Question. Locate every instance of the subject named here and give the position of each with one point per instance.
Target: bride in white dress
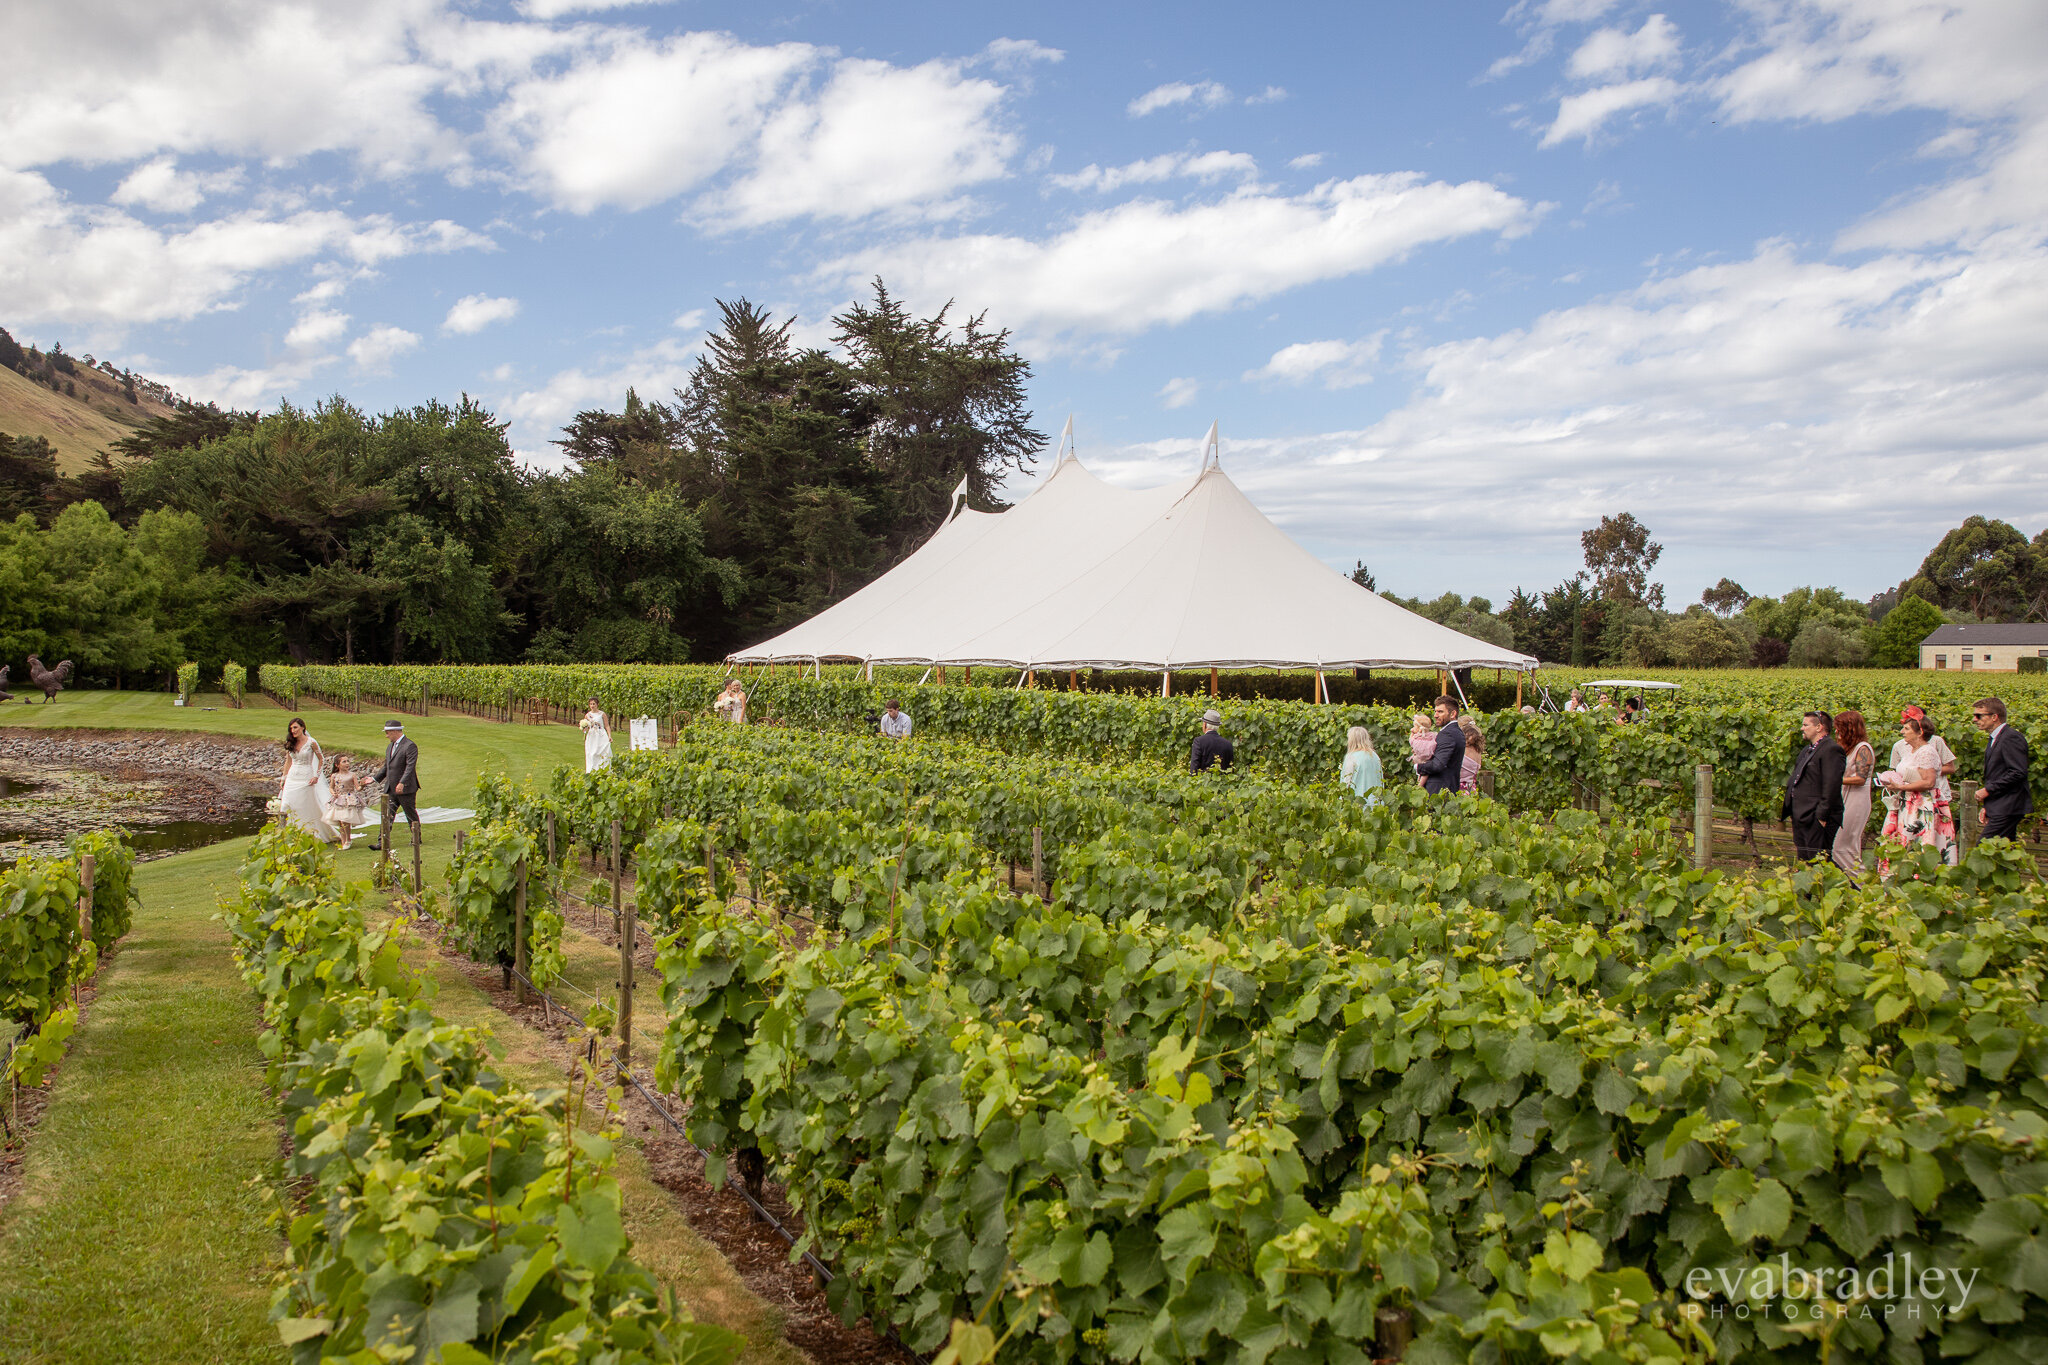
(299, 787)
(597, 739)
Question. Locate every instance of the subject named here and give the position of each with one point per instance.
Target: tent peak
(1068, 449)
(1212, 450)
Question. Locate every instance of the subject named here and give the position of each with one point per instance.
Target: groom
(399, 773)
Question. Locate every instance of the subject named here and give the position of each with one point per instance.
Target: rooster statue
(51, 680)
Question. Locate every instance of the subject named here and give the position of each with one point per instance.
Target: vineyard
(1251, 1072)
(1745, 725)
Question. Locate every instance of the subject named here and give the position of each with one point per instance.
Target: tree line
(1610, 613)
(780, 479)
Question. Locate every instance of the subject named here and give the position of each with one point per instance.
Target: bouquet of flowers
(274, 806)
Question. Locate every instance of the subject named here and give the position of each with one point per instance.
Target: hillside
(82, 423)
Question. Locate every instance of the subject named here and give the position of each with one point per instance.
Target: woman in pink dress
(1921, 817)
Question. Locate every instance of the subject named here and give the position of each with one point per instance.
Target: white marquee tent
(1083, 575)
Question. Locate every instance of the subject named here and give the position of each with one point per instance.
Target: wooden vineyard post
(418, 881)
(384, 831)
(519, 929)
(1485, 781)
(618, 922)
(1519, 676)
(710, 864)
(1972, 823)
(1038, 862)
(85, 871)
(460, 839)
(551, 838)
(357, 705)
(625, 923)
(1703, 817)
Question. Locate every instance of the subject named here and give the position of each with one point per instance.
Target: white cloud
(1178, 393)
(1582, 115)
(1338, 364)
(474, 312)
(1144, 263)
(63, 262)
(1007, 54)
(1307, 161)
(1766, 401)
(246, 78)
(634, 123)
(1272, 94)
(232, 386)
(538, 413)
(876, 138)
(1612, 52)
(690, 321)
(1204, 166)
(375, 349)
(1571, 11)
(161, 186)
(1834, 59)
(316, 330)
(1207, 94)
(556, 9)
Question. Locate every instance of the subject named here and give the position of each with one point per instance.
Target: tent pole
(1073, 680)
(1443, 683)
(927, 674)
(1212, 682)
(1322, 688)
(967, 675)
(1165, 682)
(942, 675)
(1466, 705)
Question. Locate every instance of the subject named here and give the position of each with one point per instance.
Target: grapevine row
(449, 1216)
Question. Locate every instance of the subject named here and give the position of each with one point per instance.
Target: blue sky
(1454, 279)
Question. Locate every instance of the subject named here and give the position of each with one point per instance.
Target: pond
(169, 792)
(32, 832)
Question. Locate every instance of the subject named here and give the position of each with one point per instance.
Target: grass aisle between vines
(137, 1235)
(663, 1240)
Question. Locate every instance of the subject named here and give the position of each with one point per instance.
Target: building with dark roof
(1984, 646)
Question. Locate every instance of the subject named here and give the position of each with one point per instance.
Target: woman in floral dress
(1919, 817)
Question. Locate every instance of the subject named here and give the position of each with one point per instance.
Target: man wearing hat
(1211, 747)
(399, 773)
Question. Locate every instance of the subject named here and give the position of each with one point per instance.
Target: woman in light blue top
(1361, 770)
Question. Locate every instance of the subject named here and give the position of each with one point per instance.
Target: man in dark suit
(1813, 794)
(1441, 770)
(399, 772)
(2004, 796)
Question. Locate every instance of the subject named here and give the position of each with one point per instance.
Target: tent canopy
(1085, 575)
